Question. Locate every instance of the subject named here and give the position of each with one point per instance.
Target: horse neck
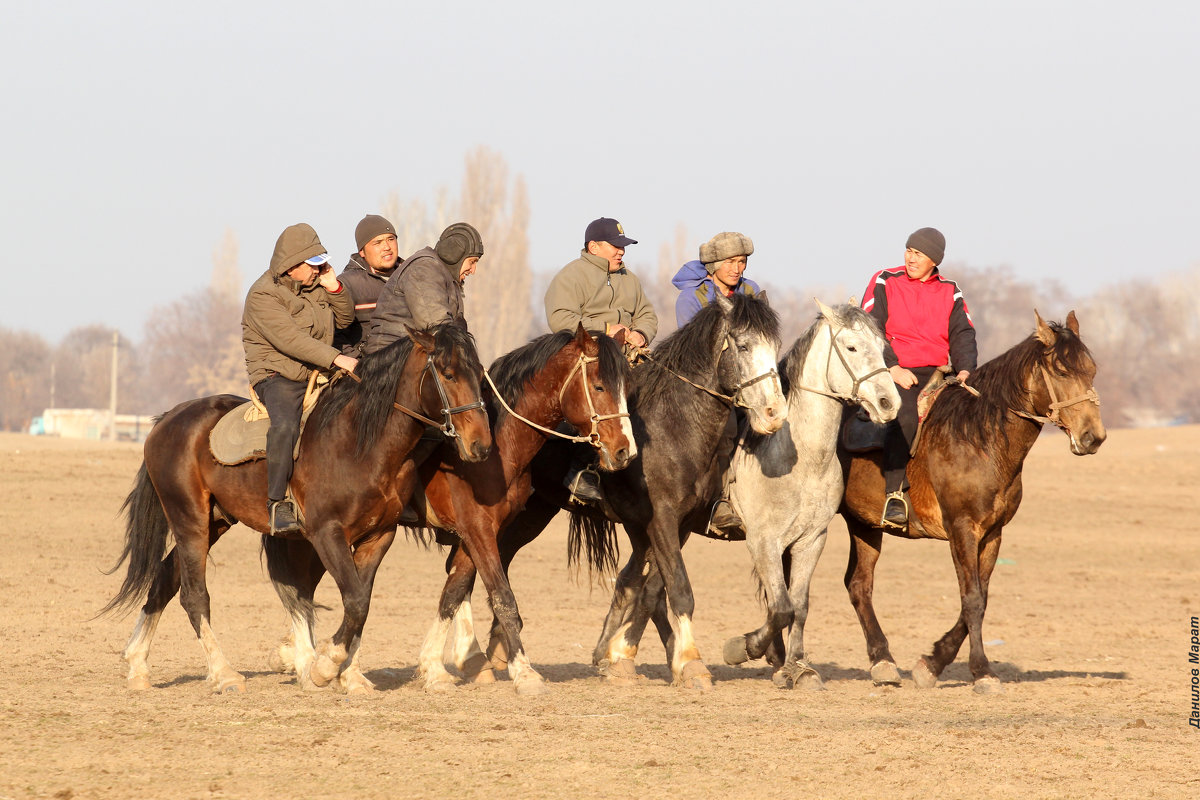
(814, 417)
(539, 402)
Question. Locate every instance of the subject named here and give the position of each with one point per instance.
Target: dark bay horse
(680, 401)
(965, 482)
(351, 480)
(571, 376)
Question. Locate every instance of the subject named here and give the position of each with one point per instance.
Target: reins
(734, 399)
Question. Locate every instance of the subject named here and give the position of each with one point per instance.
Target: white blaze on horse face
(626, 426)
(764, 399)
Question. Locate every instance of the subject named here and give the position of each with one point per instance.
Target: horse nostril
(885, 404)
(622, 456)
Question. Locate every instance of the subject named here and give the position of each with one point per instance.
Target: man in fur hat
(722, 262)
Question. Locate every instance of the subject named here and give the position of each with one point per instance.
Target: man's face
(304, 273)
(610, 252)
(917, 265)
(380, 253)
(468, 267)
(729, 272)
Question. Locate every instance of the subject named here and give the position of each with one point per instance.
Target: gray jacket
(423, 291)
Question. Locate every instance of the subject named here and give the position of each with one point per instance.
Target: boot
(724, 522)
(283, 517)
(584, 484)
(895, 510)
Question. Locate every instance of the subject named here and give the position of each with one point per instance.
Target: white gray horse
(787, 486)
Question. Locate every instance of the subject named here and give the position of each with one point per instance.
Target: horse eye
(743, 348)
(599, 387)
(852, 348)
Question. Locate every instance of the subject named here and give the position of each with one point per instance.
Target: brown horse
(561, 376)
(965, 482)
(350, 494)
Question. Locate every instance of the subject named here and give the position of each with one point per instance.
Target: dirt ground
(1088, 625)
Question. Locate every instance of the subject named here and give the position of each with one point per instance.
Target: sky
(1058, 139)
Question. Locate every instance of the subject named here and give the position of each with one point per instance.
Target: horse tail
(282, 572)
(146, 532)
(595, 537)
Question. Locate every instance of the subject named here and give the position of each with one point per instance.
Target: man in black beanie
(427, 288)
(365, 276)
(927, 325)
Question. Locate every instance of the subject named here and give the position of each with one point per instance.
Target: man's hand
(345, 362)
(962, 376)
(904, 378)
(328, 279)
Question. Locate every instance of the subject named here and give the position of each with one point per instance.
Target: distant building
(90, 423)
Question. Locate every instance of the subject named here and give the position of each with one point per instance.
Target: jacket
(926, 323)
(423, 291)
(697, 289)
(288, 328)
(365, 287)
(585, 291)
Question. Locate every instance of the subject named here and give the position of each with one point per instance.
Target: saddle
(241, 434)
(861, 435)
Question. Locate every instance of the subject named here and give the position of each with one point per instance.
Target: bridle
(448, 411)
(734, 399)
(1056, 405)
(857, 381)
(593, 437)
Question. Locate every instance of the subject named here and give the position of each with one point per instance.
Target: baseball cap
(317, 261)
(607, 230)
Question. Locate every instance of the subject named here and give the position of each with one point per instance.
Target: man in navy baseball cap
(606, 230)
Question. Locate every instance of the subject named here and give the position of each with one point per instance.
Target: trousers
(283, 399)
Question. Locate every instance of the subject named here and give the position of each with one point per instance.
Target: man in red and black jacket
(927, 325)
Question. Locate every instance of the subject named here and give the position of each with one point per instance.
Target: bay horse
(570, 376)
(351, 480)
(680, 400)
(965, 480)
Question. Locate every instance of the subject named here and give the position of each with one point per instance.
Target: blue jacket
(696, 290)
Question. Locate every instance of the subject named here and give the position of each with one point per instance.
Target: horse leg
(137, 650)
(335, 653)
(616, 649)
(368, 555)
(295, 570)
(686, 665)
(767, 556)
(865, 544)
(796, 671)
(460, 580)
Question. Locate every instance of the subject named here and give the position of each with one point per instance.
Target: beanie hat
(929, 241)
(369, 227)
(459, 242)
(723, 246)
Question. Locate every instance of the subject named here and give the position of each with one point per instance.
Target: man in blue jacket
(719, 269)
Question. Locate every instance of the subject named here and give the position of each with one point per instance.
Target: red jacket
(926, 323)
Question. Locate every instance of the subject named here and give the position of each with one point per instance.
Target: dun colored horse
(965, 482)
(571, 376)
(352, 478)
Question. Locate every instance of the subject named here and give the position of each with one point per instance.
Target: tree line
(1144, 336)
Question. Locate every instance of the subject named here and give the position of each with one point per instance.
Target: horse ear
(1044, 333)
(853, 301)
(724, 303)
(584, 340)
(421, 338)
(1072, 322)
(826, 311)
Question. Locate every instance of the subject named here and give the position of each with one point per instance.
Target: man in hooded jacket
(288, 324)
(720, 268)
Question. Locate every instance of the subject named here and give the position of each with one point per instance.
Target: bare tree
(25, 361)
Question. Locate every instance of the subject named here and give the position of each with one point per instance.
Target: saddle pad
(860, 435)
(233, 440)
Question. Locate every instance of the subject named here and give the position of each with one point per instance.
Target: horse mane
(512, 371)
(1001, 385)
(379, 379)
(845, 315)
(690, 351)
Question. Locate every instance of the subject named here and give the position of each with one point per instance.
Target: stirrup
(724, 521)
(283, 519)
(585, 487)
(897, 503)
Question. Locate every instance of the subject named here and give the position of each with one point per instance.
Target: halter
(448, 412)
(853, 397)
(734, 399)
(1057, 405)
(593, 437)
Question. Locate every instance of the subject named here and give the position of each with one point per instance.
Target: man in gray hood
(291, 313)
(427, 289)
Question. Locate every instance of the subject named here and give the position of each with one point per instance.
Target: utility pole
(112, 397)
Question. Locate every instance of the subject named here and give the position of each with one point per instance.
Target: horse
(965, 479)
(566, 375)
(680, 400)
(351, 480)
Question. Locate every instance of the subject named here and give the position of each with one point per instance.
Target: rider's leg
(282, 398)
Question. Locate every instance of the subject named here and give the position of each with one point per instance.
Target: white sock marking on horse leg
(303, 647)
(220, 673)
(685, 644)
(619, 646)
(429, 662)
(137, 651)
(466, 643)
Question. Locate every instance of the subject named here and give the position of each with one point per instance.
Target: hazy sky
(1058, 138)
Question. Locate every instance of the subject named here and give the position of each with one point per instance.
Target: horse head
(854, 368)
(747, 366)
(592, 397)
(1063, 385)
(449, 388)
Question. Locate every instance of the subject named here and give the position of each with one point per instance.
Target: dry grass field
(1088, 626)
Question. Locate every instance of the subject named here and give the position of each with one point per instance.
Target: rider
(427, 287)
(287, 331)
(597, 290)
(927, 325)
(722, 261)
(365, 275)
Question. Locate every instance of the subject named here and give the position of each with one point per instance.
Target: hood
(690, 275)
(296, 243)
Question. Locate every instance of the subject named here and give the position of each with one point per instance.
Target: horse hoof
(798, 675)
(923, 676)
(619, 673)
(440, 687)
(695, 676)
(231, 686)
(884, 673)
(138, 683)
(322, 672)
(475, 666)
(735, 651)
(530, 686)
(988, 684)
(278, 661)
(483, 677)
